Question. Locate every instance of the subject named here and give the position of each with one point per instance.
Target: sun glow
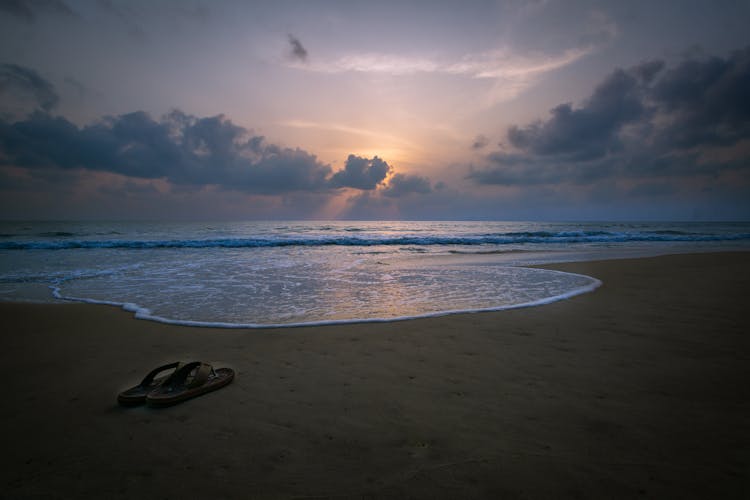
(334, 142)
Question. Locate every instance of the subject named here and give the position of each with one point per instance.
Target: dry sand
(640, 389)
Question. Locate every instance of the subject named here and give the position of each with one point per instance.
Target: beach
(638, 389)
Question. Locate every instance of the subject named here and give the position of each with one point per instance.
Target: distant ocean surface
(250, 274)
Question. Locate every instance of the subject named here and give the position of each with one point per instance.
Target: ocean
(263, 274)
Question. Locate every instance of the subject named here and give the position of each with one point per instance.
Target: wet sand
(639, 389)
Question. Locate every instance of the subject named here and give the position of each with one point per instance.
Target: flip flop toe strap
(148, 380)
(201, 376)
(137, 394)
(179, 380)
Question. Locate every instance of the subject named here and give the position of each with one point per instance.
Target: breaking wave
(510, 238)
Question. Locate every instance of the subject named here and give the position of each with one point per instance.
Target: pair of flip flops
(186, 380)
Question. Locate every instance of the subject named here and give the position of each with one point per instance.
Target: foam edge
(145, 314)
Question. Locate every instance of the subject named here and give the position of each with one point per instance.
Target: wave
(512, 238)
(144, 313)
(59, 234)
(60, 277)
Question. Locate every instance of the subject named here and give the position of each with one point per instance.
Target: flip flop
(189, 381)
(137, 394)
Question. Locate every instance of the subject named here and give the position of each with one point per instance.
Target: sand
(639, 389)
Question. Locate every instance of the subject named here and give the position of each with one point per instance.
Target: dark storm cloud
(18, 81)
(403, 184)
(645, 121)
(27, 10)
(709, 97)
(298, 51)
(361, 173)
(591, 130)
(180, 148)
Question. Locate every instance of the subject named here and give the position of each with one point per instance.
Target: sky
(502, 110)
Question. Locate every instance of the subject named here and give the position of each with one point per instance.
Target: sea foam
(144, 313)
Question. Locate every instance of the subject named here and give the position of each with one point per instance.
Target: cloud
(495, 64)
(510, 71)
(509, 169)
(19, 83)
(361, 173)
(178, 148)
(650, 121)
(297, 50)
(391, 64)
(480, 142)
(403, 184)
(507, 65)
(405, 195)
(707, 100)
(28, 10)
(591, 130)
(183, 149)
(78, 88)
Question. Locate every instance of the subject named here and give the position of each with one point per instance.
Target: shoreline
(143, 313)
(639, 388)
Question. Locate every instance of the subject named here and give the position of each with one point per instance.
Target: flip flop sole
(136, 395)
(158, 399)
